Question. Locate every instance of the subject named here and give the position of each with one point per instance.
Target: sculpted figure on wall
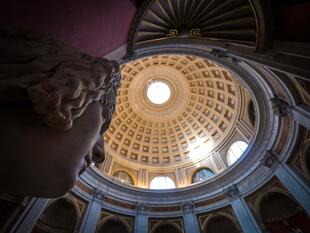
(54, 103)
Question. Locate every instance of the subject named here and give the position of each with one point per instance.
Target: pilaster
(141, 221)
(290, 179)
(189, 218)
(242, 211)
(92, 214)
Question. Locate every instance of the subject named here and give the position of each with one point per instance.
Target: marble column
(299, 189)
(141, 220)
(244, 215)
(92, 214)
(189, 219)
(30, 216)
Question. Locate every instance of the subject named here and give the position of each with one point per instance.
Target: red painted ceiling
(96, 27)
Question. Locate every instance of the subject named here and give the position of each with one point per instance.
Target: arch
(202, 174)
(235, 151)
(280, 213)
(166, 226)
(123, 176)
(188, 30)
(276, 199)
(112, 224)
(162, 182)
(220, 222)
(262, 194)
(61, 216)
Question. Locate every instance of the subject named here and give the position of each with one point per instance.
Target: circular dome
(158, 92)
(173, 111)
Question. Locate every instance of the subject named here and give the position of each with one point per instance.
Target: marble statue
(54, 103)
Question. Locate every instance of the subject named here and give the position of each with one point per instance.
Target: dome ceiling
(197, 116)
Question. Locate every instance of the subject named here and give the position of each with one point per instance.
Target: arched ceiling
(199, 116)
(226, 20)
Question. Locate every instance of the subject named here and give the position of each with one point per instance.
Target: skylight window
(158, 92)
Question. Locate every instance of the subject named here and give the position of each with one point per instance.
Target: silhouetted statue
(54, 103)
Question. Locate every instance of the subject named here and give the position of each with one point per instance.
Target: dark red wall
(291, 20)
(96, 27)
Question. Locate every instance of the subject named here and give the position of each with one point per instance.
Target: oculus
(158, 92)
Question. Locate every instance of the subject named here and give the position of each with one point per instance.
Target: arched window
(162, 182)
(235, 151)
(123, 177)
(202, 174)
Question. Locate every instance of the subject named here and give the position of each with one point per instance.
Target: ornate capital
(231, 191)
(187, 206)
(98, 194)
(269, 159)
(280, 107)
(142, 206)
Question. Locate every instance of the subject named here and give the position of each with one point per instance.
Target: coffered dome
(173, 111)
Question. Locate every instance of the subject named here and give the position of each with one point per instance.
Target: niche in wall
(221, 224)
(113, 226)
(60, 216)
(167, 228)
(281, 214)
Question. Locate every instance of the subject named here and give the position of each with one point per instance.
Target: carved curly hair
(59, 80)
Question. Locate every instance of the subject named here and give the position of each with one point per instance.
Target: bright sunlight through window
(158, 92)
(235, 151)
(162, 182)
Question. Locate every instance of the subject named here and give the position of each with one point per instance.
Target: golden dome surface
(196, 119)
